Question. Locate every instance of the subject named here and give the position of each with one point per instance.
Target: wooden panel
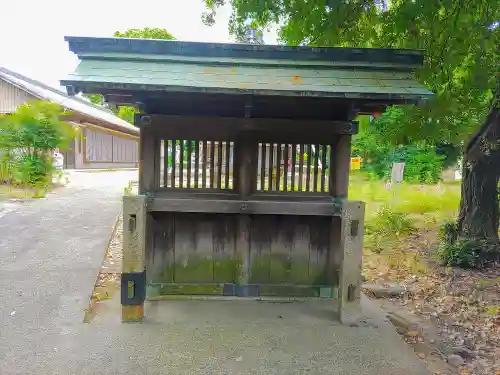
(193, 249)
(260, 250)
(289, 250)
(160, 261)
(224, 248)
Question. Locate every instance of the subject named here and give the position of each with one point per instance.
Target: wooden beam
(250, 207)
(227, 128)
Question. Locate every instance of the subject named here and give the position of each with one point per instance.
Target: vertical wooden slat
(165, 163)
(285, 167)
(227, 158)
(294, 161)
(263, 167)
(212, 164)
(204, 165)
(323, 166)
(270, 162)
(219, 164)
(181, 164)
(301, 165)
(316, 163)
(173, 150)
(197, 164)
(278, 167)
(190, 146)
(157, 162)
(308, 176)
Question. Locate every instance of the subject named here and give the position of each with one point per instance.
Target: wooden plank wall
(201, 248)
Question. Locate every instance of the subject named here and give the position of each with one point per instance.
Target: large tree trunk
(479, 211)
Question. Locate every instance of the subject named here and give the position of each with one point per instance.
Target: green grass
(391, 218)
(442, 200)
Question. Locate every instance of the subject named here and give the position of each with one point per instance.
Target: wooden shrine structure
(244, 163)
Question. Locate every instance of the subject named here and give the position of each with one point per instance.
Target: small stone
(239, 359)
(455, 360)
(421, 355)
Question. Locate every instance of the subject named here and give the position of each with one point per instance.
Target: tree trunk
(479, 211)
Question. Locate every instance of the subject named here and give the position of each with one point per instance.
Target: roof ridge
(43, 91)
(52, 89)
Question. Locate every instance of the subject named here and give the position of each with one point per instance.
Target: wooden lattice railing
(293, 168)
(192, 164)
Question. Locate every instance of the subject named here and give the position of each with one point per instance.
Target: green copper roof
(135, 64)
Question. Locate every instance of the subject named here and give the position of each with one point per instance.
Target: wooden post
(147, 151)
(133, 286)
(245, 173)
(340, 159)
(351, 255)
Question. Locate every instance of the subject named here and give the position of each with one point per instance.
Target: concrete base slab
(246, 337)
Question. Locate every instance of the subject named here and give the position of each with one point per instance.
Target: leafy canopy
(460, 39)
(146, 33)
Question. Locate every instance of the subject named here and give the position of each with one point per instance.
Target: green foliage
(146, 33)
(460, 44)
(422, 163)
(95, 98)
(389, 222)
(27, 139)
(464, 252)
(383, 229)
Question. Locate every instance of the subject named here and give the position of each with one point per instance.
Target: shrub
(27, 140)
(464, 252)
(389, 222)
(380, 145)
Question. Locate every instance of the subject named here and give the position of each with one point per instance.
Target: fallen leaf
(412, 334)
(421, 355)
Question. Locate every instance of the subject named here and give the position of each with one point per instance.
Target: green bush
(464, 252)
(34, 170)
(380, 145)
(389, 222)
(27, 139)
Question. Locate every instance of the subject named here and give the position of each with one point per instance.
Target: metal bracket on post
(133, 287)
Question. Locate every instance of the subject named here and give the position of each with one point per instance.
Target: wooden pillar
(245, 181)
(133, 283)
(340, 160)
(351, 254)
(148, 150)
